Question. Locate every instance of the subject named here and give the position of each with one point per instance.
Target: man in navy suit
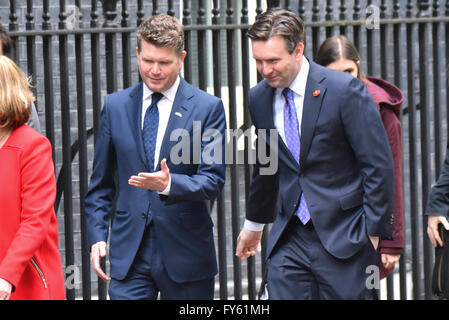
(331, 198)
(161, 238)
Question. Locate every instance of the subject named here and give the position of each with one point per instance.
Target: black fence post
(13, 26)
(329, 17)
(356, 28)
(221, 212)
(126, 46)
(436, 36)
(170, 10)
(31, 47)
(95, 65)
(66, 144)
(273, 4)
(384, 58)
(187, 21)
(369, 42)
(47, 41)
(110, 13)
(412, 135)
(397, 40)
(342, 17)
(201, 46)
(301, 9)
(82, 144)
(235, 205)
(424, 106)
(251, 263)
(446, 30)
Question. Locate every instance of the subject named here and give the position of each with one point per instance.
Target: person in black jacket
(437, 208)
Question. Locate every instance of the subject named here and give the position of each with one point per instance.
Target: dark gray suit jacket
(346, 166)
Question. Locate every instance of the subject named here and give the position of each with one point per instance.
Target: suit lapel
(264, 107)
(179, 116)
(313, 100)
(134, 111)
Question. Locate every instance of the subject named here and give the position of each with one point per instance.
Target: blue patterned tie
(291, 129)
(150, 126)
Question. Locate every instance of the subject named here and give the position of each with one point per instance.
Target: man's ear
(183, 56)
(299, 50)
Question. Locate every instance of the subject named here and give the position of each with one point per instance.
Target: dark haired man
(332, 196)
(161, 239)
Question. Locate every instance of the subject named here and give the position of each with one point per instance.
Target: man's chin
(155, 86)
(273, 84)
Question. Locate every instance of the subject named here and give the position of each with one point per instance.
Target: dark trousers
(300, 268)
(148, 277)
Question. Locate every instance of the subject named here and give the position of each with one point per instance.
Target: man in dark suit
(332, 195)
(161, 240)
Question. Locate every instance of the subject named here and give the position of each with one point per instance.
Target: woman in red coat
(30, 263)
(340, 54)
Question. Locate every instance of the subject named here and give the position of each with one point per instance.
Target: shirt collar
(298, 85)
(170, 93)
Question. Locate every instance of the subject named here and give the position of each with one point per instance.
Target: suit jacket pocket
(351, 200)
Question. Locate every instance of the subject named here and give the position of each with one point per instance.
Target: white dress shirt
(298, 86)
(164, 107)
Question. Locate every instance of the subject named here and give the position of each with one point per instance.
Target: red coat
(388, 99)
(29, 256)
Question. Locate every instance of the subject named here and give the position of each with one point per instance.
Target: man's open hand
(156, 181)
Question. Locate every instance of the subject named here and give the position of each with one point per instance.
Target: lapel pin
(316, 93)
(178, 114)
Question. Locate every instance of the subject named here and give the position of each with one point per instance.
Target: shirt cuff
(166, 191)
(253, 226)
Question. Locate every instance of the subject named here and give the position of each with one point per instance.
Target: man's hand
(248, 243)
(98, 251)
(389, 260)
(157, 181)
(432, 229)
(5, 289)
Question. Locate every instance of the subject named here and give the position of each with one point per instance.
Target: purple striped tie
(292, 138)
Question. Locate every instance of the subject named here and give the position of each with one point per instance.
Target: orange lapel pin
(316, 93)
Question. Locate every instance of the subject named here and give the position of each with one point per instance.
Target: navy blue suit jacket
(345, 170)
(181, 220)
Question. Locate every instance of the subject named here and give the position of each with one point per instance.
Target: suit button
(144, 215)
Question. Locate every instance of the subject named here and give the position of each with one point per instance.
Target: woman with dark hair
(340, 54)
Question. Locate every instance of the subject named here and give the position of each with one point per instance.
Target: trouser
(300, 268)
(148, 277)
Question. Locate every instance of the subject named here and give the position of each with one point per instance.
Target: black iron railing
(402, 41)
